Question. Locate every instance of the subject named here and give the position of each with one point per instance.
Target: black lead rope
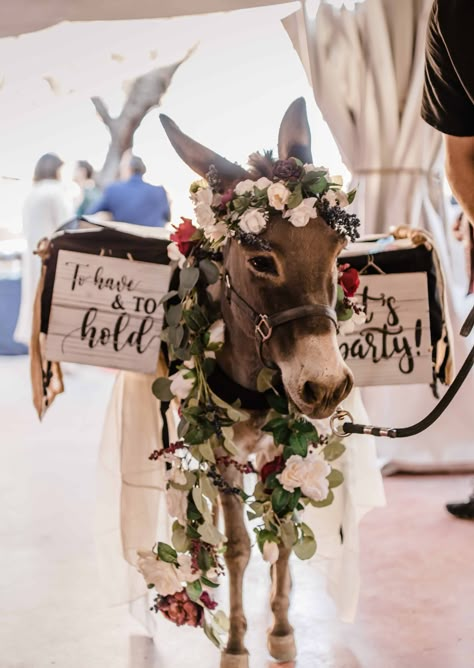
(402, 432)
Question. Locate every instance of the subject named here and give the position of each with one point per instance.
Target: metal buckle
(263, 327)
(339, 415)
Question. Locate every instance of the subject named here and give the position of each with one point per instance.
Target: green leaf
(335, 478)
(319, 186)
(222, 621)
(161, 389)
(208, 489)
(210, 271)
(211, 634)
(210, 534)
(325, 502)
(288, 533)
(208, 366)
(299, 444)
(306, 548)
(280, 499)
(188, 278)
(175, 336)
(199, 501)
(173, 315)
(306, 530)
(275, 423)
(294, 498)
(207, 452)
(204, 560)
(277, 402)
(194, 590)
(195, 319)
(333, 450)
(351, 195)
(180, 540)
(183, 427)
(206, 581)
(264, 379)
(295, 198)
(167, 296)
(167, 553)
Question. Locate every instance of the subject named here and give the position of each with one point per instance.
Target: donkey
(297, 270)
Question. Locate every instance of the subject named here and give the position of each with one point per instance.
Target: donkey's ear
(294, 138)
(200, 158)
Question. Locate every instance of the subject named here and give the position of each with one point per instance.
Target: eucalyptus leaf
(208, 489)
(180, 540)
(167, 296)
(174, 314)
(175, 335)
(222, 621)
(335, 478)
(188, 278)
(207, 452)
(264, 379)
(306, 548)
(333, 450)
(211, 634)
(161, 389)
(199, 500)
(210, 534)
(210, 270)
(325, 502)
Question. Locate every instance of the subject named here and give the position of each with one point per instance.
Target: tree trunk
(145, 94)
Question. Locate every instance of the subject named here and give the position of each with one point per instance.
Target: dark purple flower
(287, 170)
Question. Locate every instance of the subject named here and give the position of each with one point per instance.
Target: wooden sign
(105, 311)
(393, 346)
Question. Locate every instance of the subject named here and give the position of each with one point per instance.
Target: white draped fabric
(366, 69)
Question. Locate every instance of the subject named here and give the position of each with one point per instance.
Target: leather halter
(265, 324)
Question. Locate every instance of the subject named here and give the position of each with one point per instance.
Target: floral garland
(185, 573)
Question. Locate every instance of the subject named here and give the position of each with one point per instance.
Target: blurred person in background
(132, 200)
(89, 192)
(46, 208)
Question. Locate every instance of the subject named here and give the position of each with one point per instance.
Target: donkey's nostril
(309, 393)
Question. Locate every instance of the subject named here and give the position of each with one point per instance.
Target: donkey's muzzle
(319, 399)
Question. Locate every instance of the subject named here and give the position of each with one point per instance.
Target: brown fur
(306, 351)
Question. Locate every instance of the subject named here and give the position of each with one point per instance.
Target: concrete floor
(417, 602)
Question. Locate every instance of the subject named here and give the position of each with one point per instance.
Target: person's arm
(101, 204)
(460, 171)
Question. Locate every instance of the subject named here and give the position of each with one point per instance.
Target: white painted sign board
(105, 311)
(393, 346)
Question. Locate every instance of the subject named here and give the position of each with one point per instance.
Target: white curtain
(366, 68)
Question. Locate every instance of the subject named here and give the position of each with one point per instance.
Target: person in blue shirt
(132, 200)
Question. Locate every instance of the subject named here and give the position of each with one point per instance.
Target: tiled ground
(417, 603)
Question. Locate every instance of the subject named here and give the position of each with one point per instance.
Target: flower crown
(296, 191)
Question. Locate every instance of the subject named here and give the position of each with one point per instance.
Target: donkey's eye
(264, 264)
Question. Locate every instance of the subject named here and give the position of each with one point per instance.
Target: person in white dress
(46, 208)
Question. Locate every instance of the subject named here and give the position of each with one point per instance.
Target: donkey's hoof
(234, 660)
(282, 648)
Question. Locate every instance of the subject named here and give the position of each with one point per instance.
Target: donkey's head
(295, 267)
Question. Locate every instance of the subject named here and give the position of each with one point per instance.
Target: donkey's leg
(237, 556)
(281, 643)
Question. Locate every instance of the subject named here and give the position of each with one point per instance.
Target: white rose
(263, 183)
(253, 221)
(346, 326)
(177, 504)
(196, 187)
(175, 254)
(330, 198)
(216, 232)
(204, 215)
(278, 195)
(270, 551)
(292, 475)
(311, 168)
(217, 332)
(203, 196)
(244, 187)
(185, 571)
(158, 573)
(336, 180)
(181, 386)
(342, 198)
(359, 318)
(301, 214)
(315, 484)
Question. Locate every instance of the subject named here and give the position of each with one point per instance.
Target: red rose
(179, 608)
(183, 235)
(349, 279)
(275, 466)
(207, 600)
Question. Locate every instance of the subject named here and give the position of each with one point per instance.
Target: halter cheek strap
(265, 324)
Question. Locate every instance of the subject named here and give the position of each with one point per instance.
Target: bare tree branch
(145, 94)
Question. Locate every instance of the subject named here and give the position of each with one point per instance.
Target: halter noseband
(265, 324)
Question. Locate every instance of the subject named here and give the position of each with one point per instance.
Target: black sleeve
(445, 103)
